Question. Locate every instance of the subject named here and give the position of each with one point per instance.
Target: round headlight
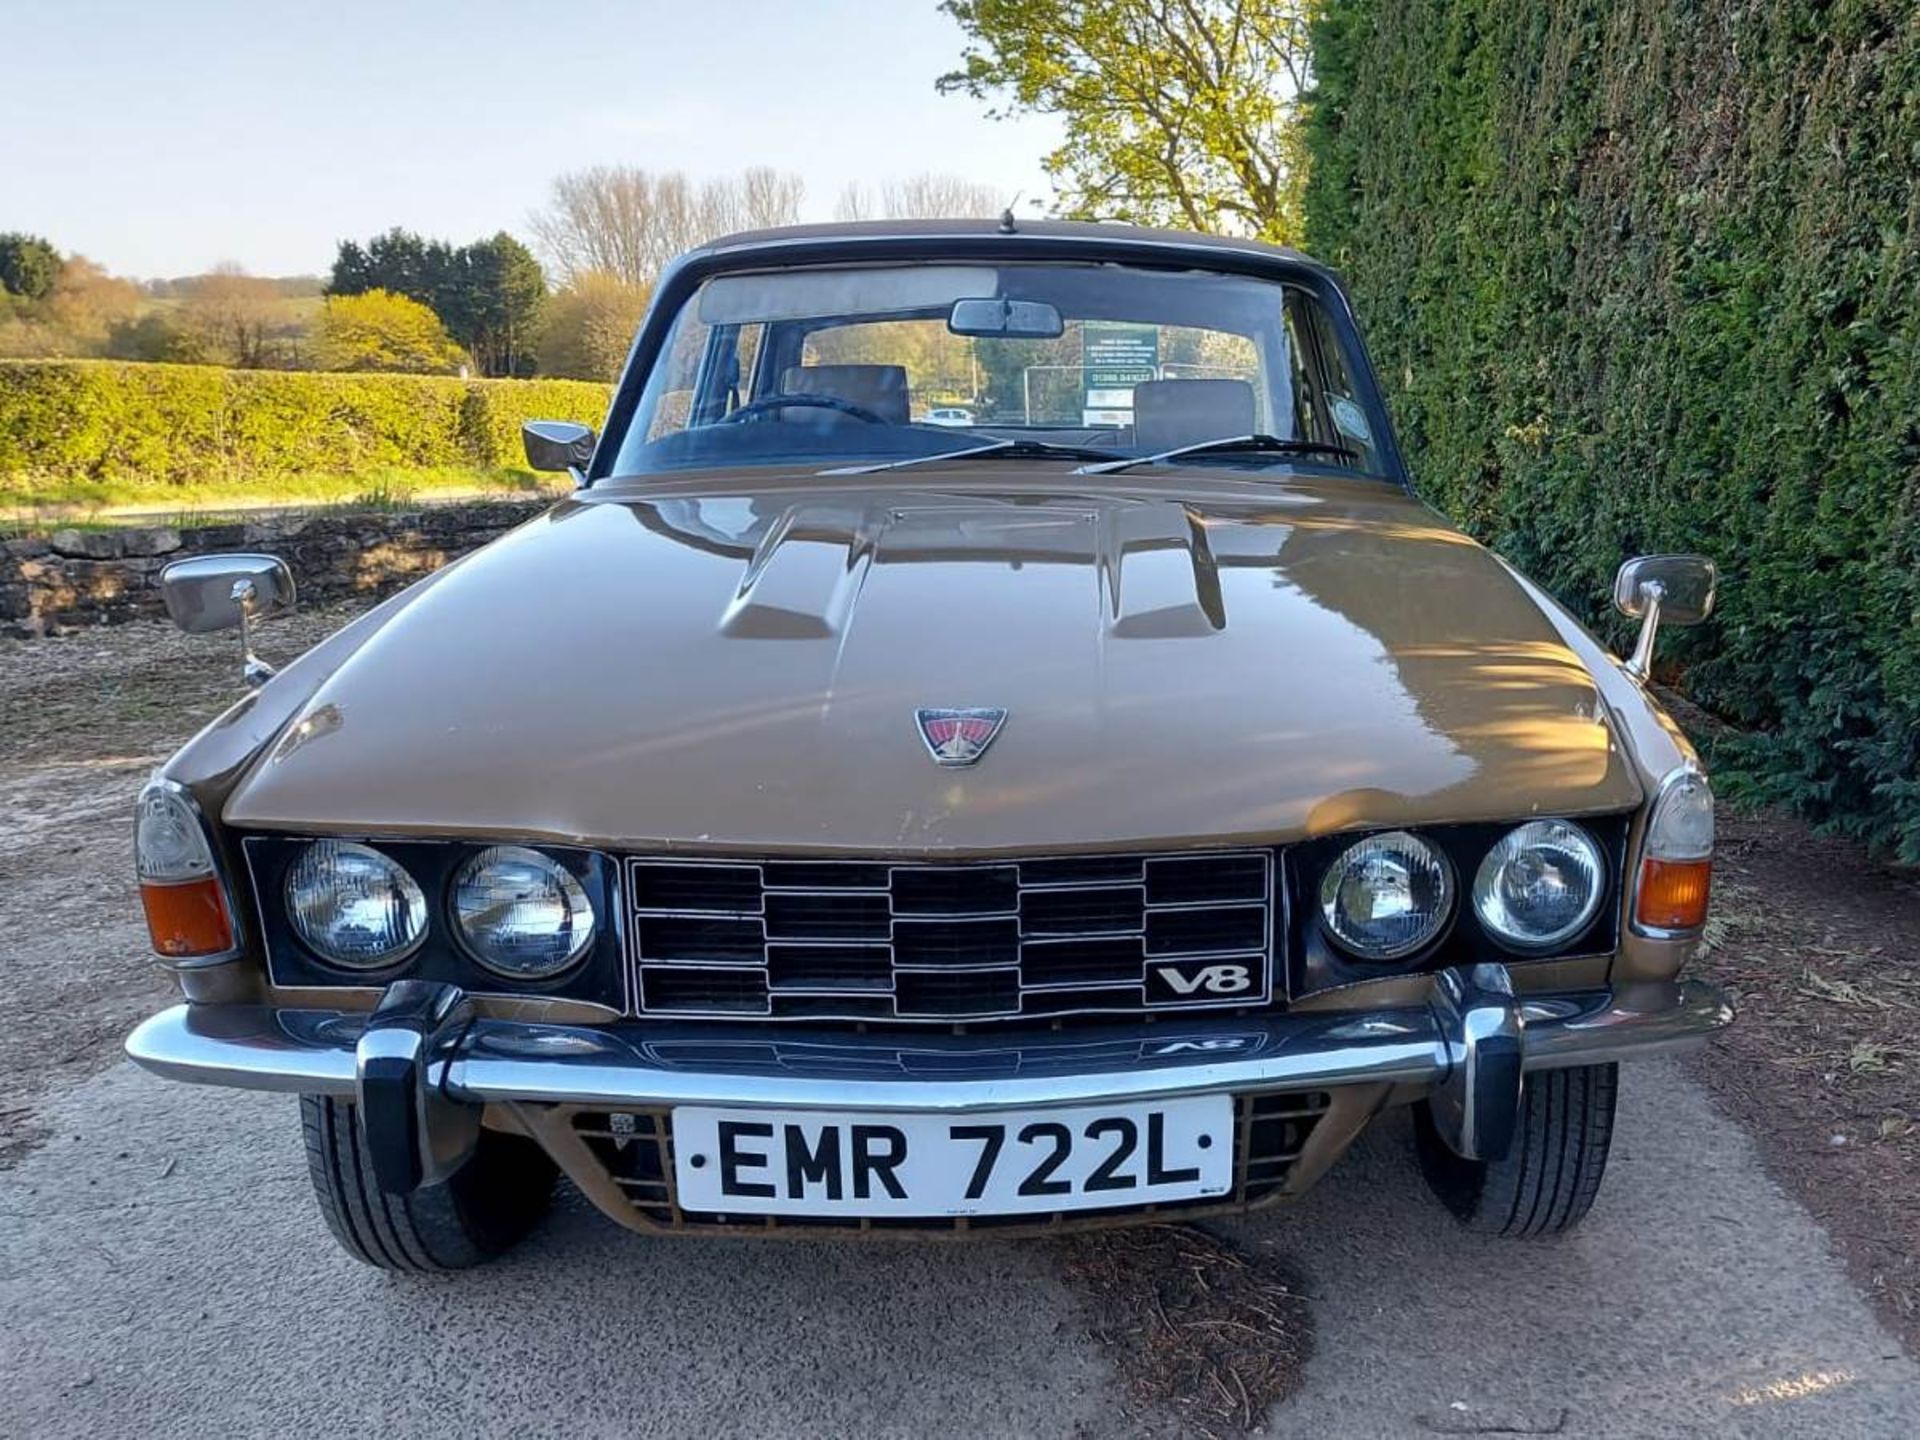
(1540, 886)
(522, 914)
(1387, 896)
(353, 906)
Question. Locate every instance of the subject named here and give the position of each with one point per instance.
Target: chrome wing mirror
(1661, 590)
(220, 592)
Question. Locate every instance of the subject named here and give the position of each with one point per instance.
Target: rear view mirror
(1020, 319)
(557, 446)
(219, 592)
(1662, 589)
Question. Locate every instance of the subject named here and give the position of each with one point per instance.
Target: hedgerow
(159, 424)
(1646, 276)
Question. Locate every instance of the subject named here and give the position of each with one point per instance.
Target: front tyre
(492, 1200)
(1549, 1179)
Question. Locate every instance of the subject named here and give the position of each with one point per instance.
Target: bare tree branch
(627, 222)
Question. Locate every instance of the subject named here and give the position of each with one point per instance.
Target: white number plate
(1008, 1162)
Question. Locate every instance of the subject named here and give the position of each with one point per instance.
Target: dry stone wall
(72, 579)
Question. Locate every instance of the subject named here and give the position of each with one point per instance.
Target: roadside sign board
(1115, 357)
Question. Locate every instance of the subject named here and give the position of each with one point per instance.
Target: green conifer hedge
(1646, 276)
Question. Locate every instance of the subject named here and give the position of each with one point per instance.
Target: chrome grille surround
(950, 942)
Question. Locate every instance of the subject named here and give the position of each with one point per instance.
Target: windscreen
(878, 363)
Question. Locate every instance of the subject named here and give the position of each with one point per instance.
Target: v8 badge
(1198, 981)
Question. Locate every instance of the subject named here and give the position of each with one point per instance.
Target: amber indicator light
(188, 919)
(1673, 894)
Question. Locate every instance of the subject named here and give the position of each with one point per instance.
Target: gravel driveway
(162, 1270)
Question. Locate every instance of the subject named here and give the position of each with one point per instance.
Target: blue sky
(160, 137)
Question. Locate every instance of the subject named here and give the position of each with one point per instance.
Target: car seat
(879, 388)
(1170, 413)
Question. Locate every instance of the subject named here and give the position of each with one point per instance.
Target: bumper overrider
(424, 1069)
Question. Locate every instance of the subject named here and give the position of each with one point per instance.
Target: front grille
(635, 1148)
(962, 942)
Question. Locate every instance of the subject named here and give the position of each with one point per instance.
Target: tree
(76, 315)
(588, 327)
(29, 266)
(87, 302)
(241, 320)
(494, 310)
(926, 196)
(487, 294)
(627, 222)
(1177, 111)
(379, 330)
(759, 199)
(614, 220)
(399, 261)
(157, 336)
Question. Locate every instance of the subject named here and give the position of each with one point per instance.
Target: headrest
(1170, 413)
(879, 388)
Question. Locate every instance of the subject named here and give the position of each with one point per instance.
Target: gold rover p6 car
(992, 743)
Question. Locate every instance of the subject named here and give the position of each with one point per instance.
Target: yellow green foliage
(110, 420)
(379, 330)
(1178, 112)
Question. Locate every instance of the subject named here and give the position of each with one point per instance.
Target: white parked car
(949, 415)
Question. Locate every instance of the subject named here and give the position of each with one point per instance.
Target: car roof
(1106, 235)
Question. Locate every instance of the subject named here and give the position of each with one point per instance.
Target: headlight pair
(1391, 895)
(517, 912)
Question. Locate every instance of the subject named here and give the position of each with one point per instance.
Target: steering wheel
(806, 402)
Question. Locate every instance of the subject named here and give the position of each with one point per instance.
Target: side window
(675, 374)
(1341, 416)
(1304, 422)
(706, 370)
(748, 355)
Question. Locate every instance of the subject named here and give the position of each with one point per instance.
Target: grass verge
(29, 506)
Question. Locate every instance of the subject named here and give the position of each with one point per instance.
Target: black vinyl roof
(1110, 237)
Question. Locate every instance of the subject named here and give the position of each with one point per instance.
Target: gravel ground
(83, 719)
(162, 1270)
(1823, 955)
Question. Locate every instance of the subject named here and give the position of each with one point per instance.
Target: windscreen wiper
(1227, 444)
(1006, 449)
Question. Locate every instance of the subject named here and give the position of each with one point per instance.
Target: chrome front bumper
(421, 1059)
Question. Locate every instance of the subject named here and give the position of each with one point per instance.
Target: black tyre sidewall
(482, 1209)
(1548, 1181)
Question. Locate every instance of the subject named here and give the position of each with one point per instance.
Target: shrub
(106, 420)
(587, 328)
(156, 335)
(1644, 277)
(380, 331)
